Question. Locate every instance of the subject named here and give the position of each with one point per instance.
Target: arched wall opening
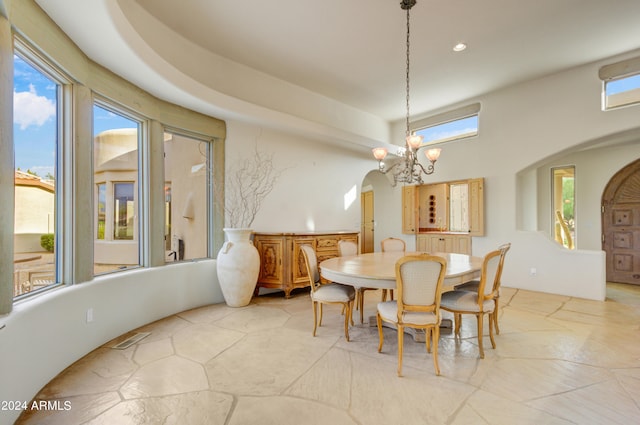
(595, 163)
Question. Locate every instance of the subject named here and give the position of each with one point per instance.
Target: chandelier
(408, 169)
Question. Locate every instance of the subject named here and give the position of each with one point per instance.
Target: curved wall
(521, 127)
(45, 334)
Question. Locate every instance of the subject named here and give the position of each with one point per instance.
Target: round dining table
(378, 269)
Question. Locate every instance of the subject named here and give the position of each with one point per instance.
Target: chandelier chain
(408, 168)
(408, 64)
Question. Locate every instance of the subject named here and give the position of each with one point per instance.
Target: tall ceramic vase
(238, 265)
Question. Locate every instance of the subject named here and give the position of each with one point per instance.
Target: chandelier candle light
(408, 169)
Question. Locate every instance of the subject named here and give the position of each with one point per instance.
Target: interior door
(366, 237)
(621, 225)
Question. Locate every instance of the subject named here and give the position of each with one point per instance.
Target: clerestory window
(453, 125)
(621, 84)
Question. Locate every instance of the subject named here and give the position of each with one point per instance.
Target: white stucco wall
(316, 177)
(34, 217)
(524, 129)
(35, 210)
(521, 128)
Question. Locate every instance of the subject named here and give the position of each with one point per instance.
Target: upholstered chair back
(393, 244)
(347, 248)
(311, 262)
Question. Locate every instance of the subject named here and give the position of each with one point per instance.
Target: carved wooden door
(621, 225)
(271, 252)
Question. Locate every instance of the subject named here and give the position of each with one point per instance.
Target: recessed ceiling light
(459, 47)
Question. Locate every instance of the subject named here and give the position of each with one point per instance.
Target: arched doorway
(375, 193)
(621, 225)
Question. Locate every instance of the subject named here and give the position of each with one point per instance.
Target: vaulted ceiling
(353, 51)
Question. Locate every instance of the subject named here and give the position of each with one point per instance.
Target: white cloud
(31, 109)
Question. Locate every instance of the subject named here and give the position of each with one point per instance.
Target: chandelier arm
(384, 170)
(429, 170)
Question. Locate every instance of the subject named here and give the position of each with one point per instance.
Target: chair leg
(384, 294)
(495, 318)
(479, 320)
(351, 304)
(361, 304)
(347, 316)
(427, 339)
(435, 334)
(315, 316)
(400, 347)
(457, 318)
(380, 336)
(320, 321)
(491, 326)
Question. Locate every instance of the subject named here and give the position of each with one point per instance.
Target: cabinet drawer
(326, 243)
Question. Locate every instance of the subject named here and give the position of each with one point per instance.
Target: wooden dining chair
(478, 303)
(419, 281)
(473, 285)
(347, 248)
(328, 293)
(391, 245)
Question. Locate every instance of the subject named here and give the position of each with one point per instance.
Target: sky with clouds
(34, 118)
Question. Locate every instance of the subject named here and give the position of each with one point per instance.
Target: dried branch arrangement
(246, 186)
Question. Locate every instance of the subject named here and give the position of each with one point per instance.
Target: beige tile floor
(559, 360)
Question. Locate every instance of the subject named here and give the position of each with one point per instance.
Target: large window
(36, 115)
(186, 207)
(116, 177)
(84, 208)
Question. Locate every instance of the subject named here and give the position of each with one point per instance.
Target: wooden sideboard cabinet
(281, 263)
